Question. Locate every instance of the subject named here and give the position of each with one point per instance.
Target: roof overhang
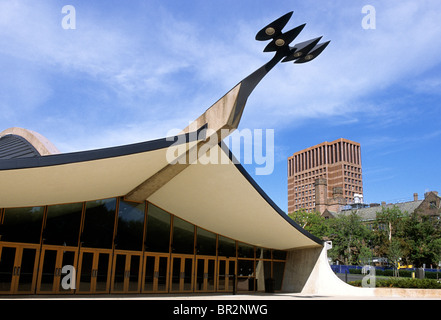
(219, 196)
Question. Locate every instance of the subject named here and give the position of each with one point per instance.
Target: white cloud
(168, 70)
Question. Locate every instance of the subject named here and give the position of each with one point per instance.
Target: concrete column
(307, 271)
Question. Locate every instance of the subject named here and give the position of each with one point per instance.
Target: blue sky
(133, 70)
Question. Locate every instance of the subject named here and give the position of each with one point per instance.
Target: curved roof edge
(39, 142)
(152, 145)
(263, 194)
(104, 153)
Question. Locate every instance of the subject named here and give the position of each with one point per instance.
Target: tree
(365, 255)
(349, 235)
(422, 237)
(394, 254)
(312, 222)
(392, 219)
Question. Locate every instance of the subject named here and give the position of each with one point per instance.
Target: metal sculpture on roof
(280, 43)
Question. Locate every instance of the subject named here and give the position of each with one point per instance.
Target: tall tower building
(333, 168)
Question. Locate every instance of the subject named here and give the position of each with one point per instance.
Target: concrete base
(307, 272)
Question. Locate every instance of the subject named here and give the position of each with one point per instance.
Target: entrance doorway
(205, 274)
(94, 269)
(126, 272)
(18, 268)
(182, 273)
(52, 260)
(156, 271)
(226, 274)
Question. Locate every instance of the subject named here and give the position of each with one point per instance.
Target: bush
(403, 273)
(403, 283)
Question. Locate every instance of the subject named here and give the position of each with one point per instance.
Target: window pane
(130, 226)
(183, 236)
(227, 247)
(63, 224)
(206, 242)
(22, 225)
(262, 253)
(158, 230)
(279, 255)
(245, 251)
(245, 268)
(99, 224)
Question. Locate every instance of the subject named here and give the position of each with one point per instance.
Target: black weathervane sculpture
(280, 43)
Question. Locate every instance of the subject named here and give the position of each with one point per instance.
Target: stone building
(336, 165)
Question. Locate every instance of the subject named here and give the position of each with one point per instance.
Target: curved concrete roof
(221, 197)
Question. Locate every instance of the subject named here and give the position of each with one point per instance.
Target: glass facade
(98, 226)
(62, 224)
(116, 246)
(22, 225)
(130, 226)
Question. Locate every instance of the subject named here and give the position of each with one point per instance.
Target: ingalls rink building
(151, 217)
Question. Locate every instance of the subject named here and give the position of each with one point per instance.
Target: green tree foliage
(311, 222)
(350, 237)
(422, 239)
(399, 236)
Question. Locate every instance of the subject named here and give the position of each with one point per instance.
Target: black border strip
(97, 154)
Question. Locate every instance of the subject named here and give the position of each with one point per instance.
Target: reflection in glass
(200, 274)
(63, 224)
(162, 273)
(102, 273)
(188, 274)
(7, 262)
(227, 247)
(86, 272)
(211, 274)
(134, 273)
(119, 272)
(48, 272)
(279, 254)
(263, 253)
(245, 273)
(158, 230)
(205, 242)
(245, 250)
(245, 268)
(27, 269)
(183, 236)
(176, 274)
(222, 275)
(149, 273)
(130, 226)
(278, 269)
(22, 225)
(99, 223)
